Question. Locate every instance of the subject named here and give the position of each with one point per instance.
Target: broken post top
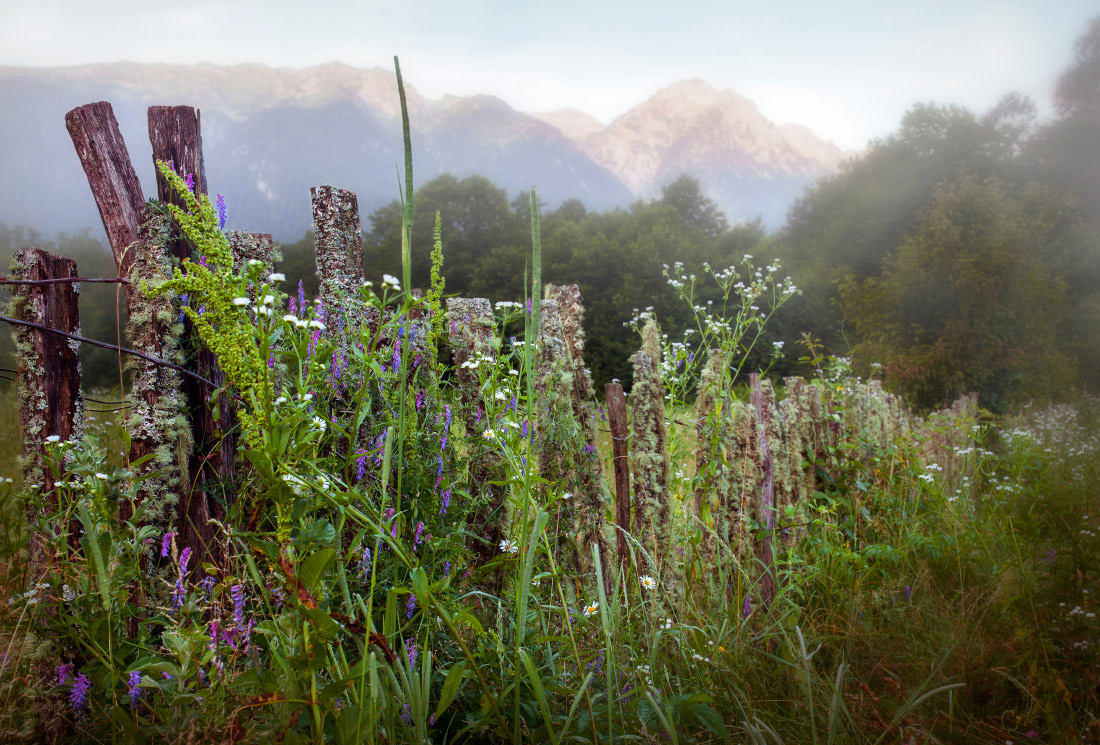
(111, 176)
(175, 133)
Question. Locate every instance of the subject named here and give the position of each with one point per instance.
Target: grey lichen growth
(339, 247)
(649, 459)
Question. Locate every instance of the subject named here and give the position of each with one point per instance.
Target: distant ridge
(271, 133)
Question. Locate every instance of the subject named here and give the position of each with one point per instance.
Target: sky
(847, 70)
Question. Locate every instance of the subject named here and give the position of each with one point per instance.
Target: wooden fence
(755, 459)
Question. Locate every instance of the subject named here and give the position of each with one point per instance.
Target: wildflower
(446, 428)
(406, 714)
(64, 672)
(648, 582)
(190, 181)
(102, 476)
(417, 539)
(318, 424)
(411, 607)
(301, 323)
(315, 324)
(240, 302)
(276, 277)
(221, 212)
(78, 694)
(591, 609)
(269, 300)
(747, 610)
(290, 318)
(53, 438)
(281, 400)
(165, 543)
(489, 434)
(306, 397)
(135, 688)
(908, 594)
(567, 495)
(237, 593)
(410, 649)
(365, 563)
(263, 310)
(446, 501)
(509, 546)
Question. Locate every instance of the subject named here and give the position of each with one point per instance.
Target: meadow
(419, 540)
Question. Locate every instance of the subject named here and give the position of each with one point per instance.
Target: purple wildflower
(277, 593)
(478, 417)
(301, 297)
(438, 474)
(446, 428)
(178, 594)
(183, 301)
(1051, 554)
(360, 465)
(135, 688)
(190, 181)
(207, 586)
(419, 399)
(589, 448)
(419, 532)
(166, 543)
(364, 563)
(221, 212)
(293, 307)
(528, 306)
(411, 607)
(446, 568)
(397, 355)
(410, 649)
(78, 695)
(908, 594)
(446, 501)
(523, 433)
(406, 714)
(185, 557)
(64, 672)
(237, 593)
(747, 610)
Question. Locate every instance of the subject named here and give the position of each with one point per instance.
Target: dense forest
(960, 253)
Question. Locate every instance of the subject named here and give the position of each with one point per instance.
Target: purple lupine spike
(221, 212)
(134, 688)
(78, 694)
(190, 181)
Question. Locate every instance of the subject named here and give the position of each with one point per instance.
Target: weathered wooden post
(616, 417)
(339, 245)
(48, 376)
(137, 241)
(649, 450)
(762, 402)
(472, 333)
(176, 136)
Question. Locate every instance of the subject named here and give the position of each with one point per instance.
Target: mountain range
(269, 134)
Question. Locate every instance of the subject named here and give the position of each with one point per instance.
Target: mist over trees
(960, 253)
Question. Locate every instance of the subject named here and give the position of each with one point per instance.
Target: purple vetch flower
(419, 399)
(190, 181)
(172, 165)
(446, 568)
(277, 593)
(603, 416)
(416, 361)
(419, 532)
(446, 428)
(179, 592)
(166, 543)
(207, 586)
(167, 676)
(293, 307)
(446, 501)
(202, 676)
(215, 633)
(397, 355)
(302, 297)
(221, 212)
(747, 610)
(202, 261)
(528, 306)
(589, 448)
(512, 404)
(908, 594)
(78, 694)
(411, 607)
(691, 356)
(64, 672)
(360, 464)
(438, 473)
(135, 688)
(183, 301)
(523, 432)
(406, 714)
(365, 563)
(237, 593)
(271, 362)
(185, 557)
(410, 650)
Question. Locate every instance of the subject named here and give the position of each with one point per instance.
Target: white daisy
(591, 609)
(240, 302)
(276, 277)
(509, 546)
(489, 434)
(53, 438)
(648, 582)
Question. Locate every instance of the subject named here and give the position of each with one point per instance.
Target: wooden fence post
(762, 403)
(649, 451)
(175, 133)
(339, 246)
(137, 241)
(48, 378)
(616, 417)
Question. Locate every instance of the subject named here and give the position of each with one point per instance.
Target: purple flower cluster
(410, 650)
(360, 465)
(190, 181)
(446, 427)
(365, 563)
(221, 212)
(417, 539)
(411, 607)
(237, 593)
(135, 688)
(446, 501)
(64, 672)
(166, 543)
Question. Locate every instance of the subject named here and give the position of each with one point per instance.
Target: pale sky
(846, 69)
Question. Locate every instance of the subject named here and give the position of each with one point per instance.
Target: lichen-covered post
(155, 402)
(48, 376)
(175, 133)
(649, 459)
(762, 403)
(472, 332)
(616, 417)
(339, 246)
